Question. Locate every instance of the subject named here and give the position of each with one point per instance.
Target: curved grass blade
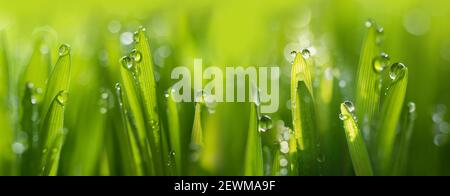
(369, 78)
(6, 131)
(52, 135)
(358, 151)
(147, 88)
(390, 116)
(253, 164)
(303, 116)
(59, 78)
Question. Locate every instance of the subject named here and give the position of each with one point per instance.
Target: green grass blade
(6, 133)
(147, 88)
(59, 78)
(390, 116)
(175, 134)
(358, 151)
(135, 114)
(368, 78)
(408, 119)
(37, 70)
(52, 135)
(131, 158)
(303, 115)
(29, 125)
(253, 163)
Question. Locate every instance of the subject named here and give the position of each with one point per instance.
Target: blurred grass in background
(222, 33)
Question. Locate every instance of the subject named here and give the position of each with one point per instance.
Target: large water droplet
(136, 55)
(265, 123)
(127, 62)
(64, 50)
(380, 62)
(306, 53)
(397, 71)
(343, 116)
(350, 106)
(411, 107)
(62, 97)
(284, 147)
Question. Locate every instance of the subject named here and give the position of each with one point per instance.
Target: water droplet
(328, 73)
(283, 162)
(369, 23)
(200, 96)
(114, 26)
(54, 150)
(411, 107)
(306, 53)
(126, 38)
(18, 148)
(136, 55)
(127, 62)
(283, 172)
(343, 116)
(44, 151)
(440, 139)
(397, 71)
(350, 106)
(342, 83)
(62, 97)
(444, 127)
(284, 147)
(64, 50)
(154, 124)
(380, 62)
(265, 123)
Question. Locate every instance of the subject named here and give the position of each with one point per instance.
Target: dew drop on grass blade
(147, 88)
(303, 116)
(368, 81)
(357, 148)
(253, 163)
(390, 115)
(52, 135)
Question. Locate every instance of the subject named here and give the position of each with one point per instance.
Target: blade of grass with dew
(135, 114)
(303, 115)
(175, 134)
(358, 151)
(29, 125)
(37, 70)
(59, 78)
(6, 132)
(52, 135)
(408, 119)
(293, 155)
(130, 153)
(390, 115)
(147, 88)
(253, 163)
(368, 80)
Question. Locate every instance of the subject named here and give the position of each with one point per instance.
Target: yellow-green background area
(233, 33)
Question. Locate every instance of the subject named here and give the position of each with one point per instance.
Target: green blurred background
(234, 33)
